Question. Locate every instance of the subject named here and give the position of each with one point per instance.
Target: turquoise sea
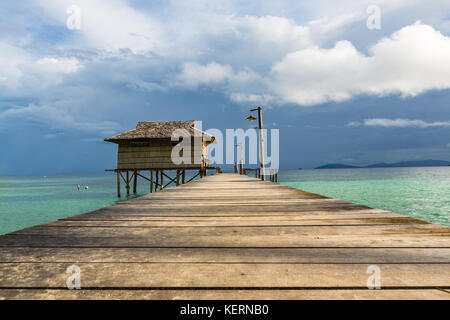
(419, 192)
(423, 193)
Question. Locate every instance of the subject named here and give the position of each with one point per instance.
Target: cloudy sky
(338, 90)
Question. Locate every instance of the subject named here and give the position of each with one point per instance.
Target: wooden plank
(177, 212)
(230, 222)
(162, 239)
(116, 212)
(228, 255)
(244, 232)
(340, 294)
(242, 220)
(215, 208)
(217, 275)
(229, 231)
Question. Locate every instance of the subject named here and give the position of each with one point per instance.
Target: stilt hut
(158, 147)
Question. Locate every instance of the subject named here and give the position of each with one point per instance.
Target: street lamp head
(256, 109)
(250, 118)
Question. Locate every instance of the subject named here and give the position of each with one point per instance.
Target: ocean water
(28, 201)
(419, 192)
(423, 193)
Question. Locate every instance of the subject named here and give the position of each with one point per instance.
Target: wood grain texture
(229, 237)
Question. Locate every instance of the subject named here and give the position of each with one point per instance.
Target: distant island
(416, 163)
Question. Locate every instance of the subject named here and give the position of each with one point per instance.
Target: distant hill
(416, 163)
(336, 166)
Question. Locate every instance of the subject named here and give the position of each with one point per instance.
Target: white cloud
(261, 53)
(109, 25)
(24, 74)
(277, 32)
(316, 75)
(61, 65)
(413, 60)
(354, 124)
(11, 60)
(194, 74)
(399, 123)
(252, 98)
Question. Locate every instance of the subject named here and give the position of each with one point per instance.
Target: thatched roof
(158, 130)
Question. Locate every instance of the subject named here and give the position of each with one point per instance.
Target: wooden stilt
(157, 180)
(151, 181)
(128, 183)
(135, 182)
(162, 180)
(118, 184)
(184, 176)
(178, 177)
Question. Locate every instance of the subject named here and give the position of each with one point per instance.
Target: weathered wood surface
(229, 237)
(157, 154)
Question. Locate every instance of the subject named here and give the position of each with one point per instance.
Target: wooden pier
(229, 236)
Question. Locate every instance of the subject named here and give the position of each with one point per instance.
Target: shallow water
(418, 192)
(28, 201)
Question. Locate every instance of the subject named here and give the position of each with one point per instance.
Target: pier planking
(229, 236)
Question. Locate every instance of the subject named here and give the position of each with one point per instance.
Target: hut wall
(153, 154)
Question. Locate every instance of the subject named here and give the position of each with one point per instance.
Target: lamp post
(241, 162)
(261, 139)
